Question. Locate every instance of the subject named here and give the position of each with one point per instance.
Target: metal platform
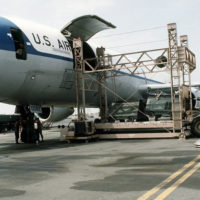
(134, 125)
(137, 130)
(140, 136)
(176, 60)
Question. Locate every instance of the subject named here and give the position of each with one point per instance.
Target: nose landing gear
(27, 117)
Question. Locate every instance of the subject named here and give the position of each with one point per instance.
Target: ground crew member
(17, 132)
(39, 129)
(18, 129)
(29, 130)
(23, 133)
(36, 132)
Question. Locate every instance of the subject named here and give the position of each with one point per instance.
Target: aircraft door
(19, 43)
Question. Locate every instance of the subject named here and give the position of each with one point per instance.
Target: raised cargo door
(86, 26)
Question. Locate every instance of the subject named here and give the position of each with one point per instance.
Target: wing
(159, 89)
(154, 89)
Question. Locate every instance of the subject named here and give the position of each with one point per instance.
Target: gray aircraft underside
(49, 81)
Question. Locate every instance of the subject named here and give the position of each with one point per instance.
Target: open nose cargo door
(85, 27)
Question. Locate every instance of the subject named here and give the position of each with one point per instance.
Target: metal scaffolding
(179, 61)
(80, 85)
(175, 71)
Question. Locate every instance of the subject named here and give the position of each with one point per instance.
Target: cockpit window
(20, 47)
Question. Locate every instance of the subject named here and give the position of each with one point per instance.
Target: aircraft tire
(195, 126)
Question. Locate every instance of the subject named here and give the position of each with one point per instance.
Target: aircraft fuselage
(44, 73)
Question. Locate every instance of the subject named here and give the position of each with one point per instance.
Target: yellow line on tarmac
(166, 181)
(168, 191)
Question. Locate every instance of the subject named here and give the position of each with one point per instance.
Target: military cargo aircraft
(37, 67)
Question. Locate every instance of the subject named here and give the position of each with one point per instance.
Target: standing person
(20, 129)
(36, 132)
(39, 129)
(17, 132)
(23, 133)
(29, 129)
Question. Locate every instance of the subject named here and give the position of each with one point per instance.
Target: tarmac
(103, 170)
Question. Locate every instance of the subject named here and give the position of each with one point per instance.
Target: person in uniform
(18, 130)
(29, 130)
(39, 130)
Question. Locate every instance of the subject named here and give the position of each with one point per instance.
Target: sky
(128, 15)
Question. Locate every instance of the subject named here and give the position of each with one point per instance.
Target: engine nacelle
(55, 114)
(161, 61)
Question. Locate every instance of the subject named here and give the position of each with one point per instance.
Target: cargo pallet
(137, 130)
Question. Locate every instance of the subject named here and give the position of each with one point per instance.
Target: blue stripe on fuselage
(33, 51)
(139, 77)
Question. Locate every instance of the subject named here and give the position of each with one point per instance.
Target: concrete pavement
(103, 170)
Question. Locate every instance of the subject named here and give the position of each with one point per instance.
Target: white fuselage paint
(47, 76)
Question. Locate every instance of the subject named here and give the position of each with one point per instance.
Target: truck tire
(195, 126)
